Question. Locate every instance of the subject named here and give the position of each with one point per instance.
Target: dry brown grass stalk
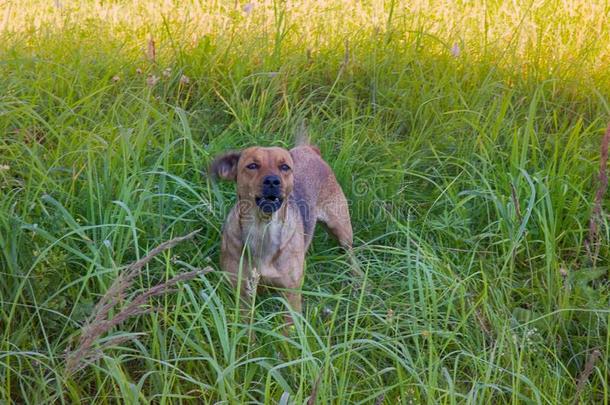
(151, 50)
(314, 391)
(592, 243)
(100, 321)
(513, 195)
(586, 373)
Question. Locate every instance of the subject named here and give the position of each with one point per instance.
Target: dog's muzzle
(271, 199)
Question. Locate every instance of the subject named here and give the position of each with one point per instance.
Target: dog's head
(264, 176)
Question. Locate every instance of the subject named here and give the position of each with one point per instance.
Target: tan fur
(275, 244)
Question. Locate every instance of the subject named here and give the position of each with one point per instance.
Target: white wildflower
(152, 80)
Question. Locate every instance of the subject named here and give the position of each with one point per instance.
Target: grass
(466, 136)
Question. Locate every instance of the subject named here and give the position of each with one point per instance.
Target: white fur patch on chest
(264, 240)
(268, 241)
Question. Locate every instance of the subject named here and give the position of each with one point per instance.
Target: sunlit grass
(466, 137)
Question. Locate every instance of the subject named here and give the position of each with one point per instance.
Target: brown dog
(281, 195)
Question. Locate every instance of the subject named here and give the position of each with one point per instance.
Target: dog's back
(316, 191)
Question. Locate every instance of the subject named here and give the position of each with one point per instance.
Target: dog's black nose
(271, 182)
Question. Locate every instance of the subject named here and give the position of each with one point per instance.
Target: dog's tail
(302, 135)
(302, 138)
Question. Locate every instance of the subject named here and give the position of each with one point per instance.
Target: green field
(466, 136)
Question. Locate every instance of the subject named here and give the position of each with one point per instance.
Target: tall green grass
(465, 135)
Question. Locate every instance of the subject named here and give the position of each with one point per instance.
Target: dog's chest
(264, 241)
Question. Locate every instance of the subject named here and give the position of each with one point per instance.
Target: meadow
(468, 139)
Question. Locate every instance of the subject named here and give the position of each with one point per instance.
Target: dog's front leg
(295, 302)
(290, 267)
(241, 278)
(237, 267)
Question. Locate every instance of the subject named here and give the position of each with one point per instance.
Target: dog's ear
(225, 166)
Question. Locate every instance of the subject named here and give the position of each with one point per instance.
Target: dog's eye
(252, 166)
(284, 167)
